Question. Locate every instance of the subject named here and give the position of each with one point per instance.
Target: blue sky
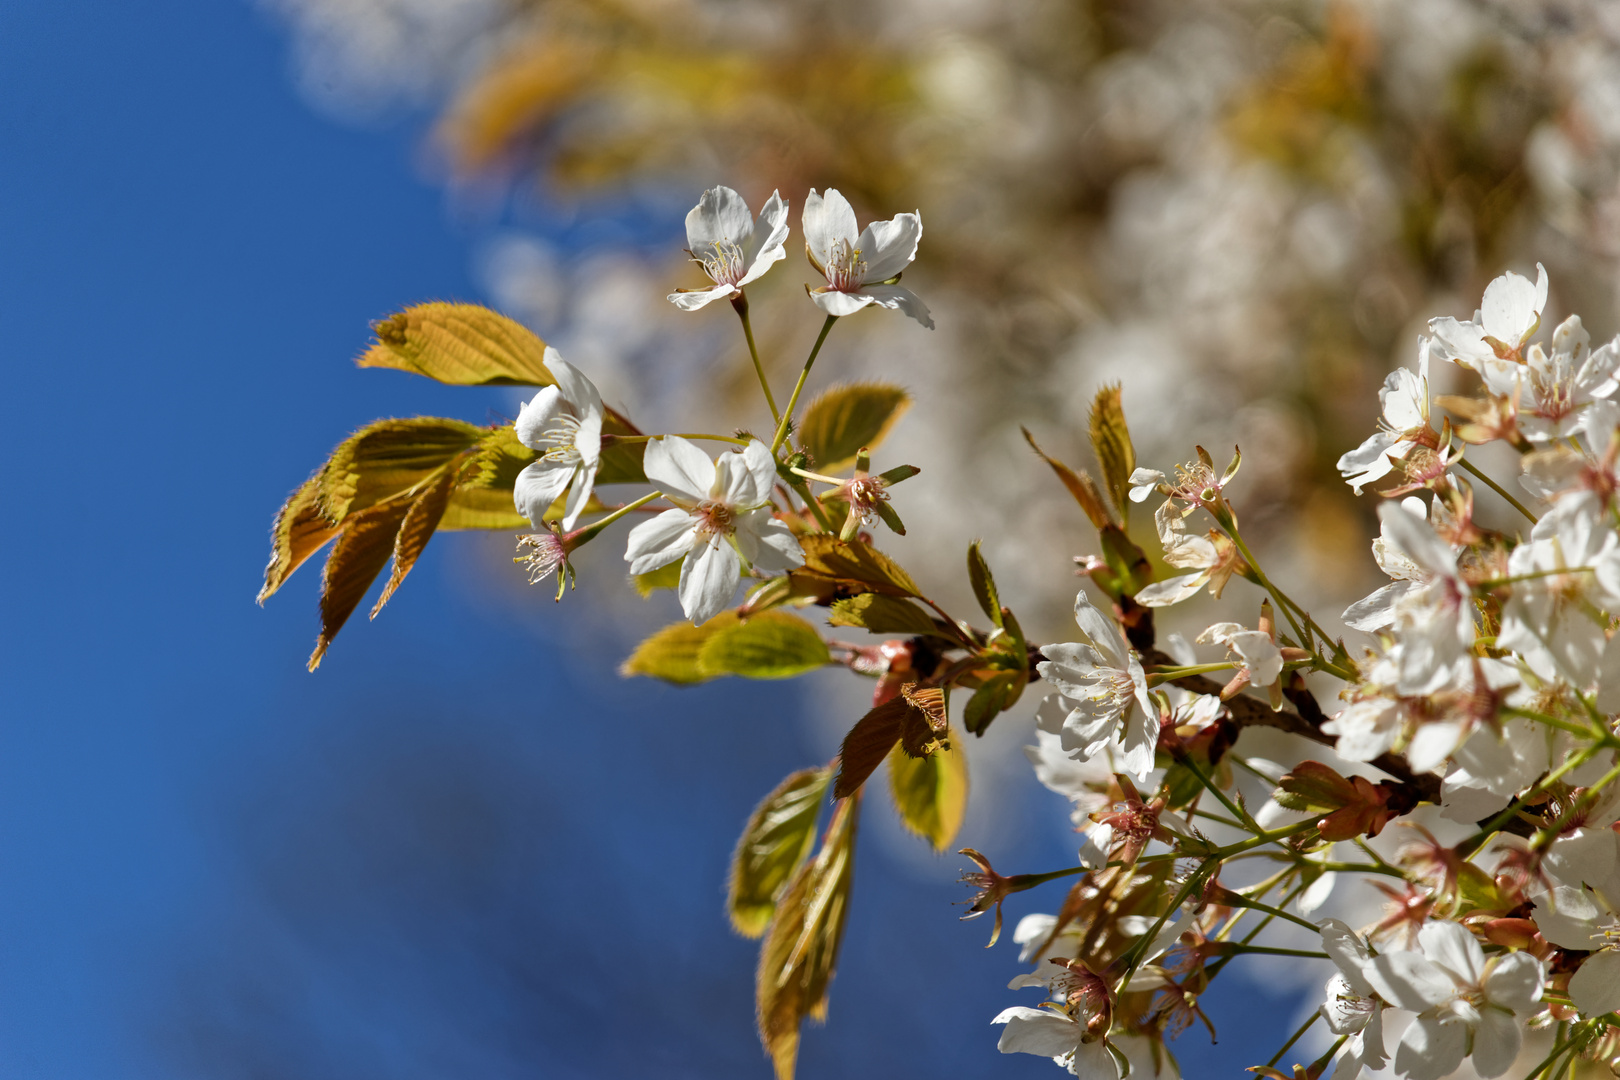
(464, 848)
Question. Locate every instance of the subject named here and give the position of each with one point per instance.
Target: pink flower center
(846, 270)
(715, 518)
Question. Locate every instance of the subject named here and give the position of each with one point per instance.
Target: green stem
(1303, 1028)
(1279, 913)
(589, 532)
(798, 387)
(1239, 949)
(609, 440)
(1494, 486)
(1186, 762)
(1496, 583)
(808, 475)
(740, 304)
(814, 504)
(1288, 606)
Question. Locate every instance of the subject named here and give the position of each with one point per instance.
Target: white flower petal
(887, 247)
(693, 299)
(536, 415)
(899, 298)
(1595, 988)
(1417, 540)
(1451, 946)
(1172, 590)
(1512, 306)
(827, 219)
(770, 234)
(1496, 1043)
(840, 304)
(1101, 631)
(538, 486)
(660, 541)
(1429, 1049)
(1036, 1031)
(578, 495)
(1349, 953)
(709, 579)
(680, 468)
(1409, 981)
(767, 543)
(576, 389)
(1514, 982)
(720, 216)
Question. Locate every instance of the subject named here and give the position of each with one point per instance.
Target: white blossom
(860, 270)
(1577, 919)
(1467, 1005)
(722, 519)
(1377, 610)
(1554, 620)
(1508, 316)
(1403, 422)
(1105, 691)
(1436, 622)
(731, 247)
(1352, 1007)
(564, 423)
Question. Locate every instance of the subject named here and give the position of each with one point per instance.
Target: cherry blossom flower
(1508, 316)
(1213, 560)
(1580, 920)
(721, 521)
(1565, 391)
(731, 247)
(860, 270)
(1352, 1007)
(1261, 662)
(1377, 610)
(564, 423)
(1435, 622)
(1105, 688)
(1467, 1005)
(1403, 425)
(1553, 620)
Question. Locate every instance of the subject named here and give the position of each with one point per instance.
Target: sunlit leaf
(388, 457)
(913, 721)
(851, 560)
(882, 615)
(361, 551)
(665, 577)
(984, 585)
(672, 653)
(930, 792)
(299, 532)
(461, 344)
(415, 531)
(994, 696)
(778, 836)
(845, 418)
(1079, 483)
(800, 950)
(1111, 439)
(769, 645)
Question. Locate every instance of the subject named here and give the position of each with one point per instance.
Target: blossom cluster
(1483, 691)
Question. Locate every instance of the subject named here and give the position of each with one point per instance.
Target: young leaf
(882, 615)
(930, 793)
(868, 743)
(778, 836)
(665, 577)
(416, 530)
(801, 948)
(460, 344)
(1080, 485)
(482, 498)
(984, 585)
(845, 418)
(299, 532)
(769, 645)
(388, 457)
(851, 560)
(672, 653)
(361, 551)
(1112, 441)
(995, 695)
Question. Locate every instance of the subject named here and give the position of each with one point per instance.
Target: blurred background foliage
(1243, 210)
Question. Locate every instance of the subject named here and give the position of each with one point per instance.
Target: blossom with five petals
(1102, 682)
(1508, 315)
(860, 269)
(732, 248)
(722, 520)
(564, 422)
(1352, 1007)
(1466, 1004)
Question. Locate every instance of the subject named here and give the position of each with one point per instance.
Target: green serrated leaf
(387, 458)
(843, 419)
(930, 793)
(299, 532)
(672, 653)
(665, 577)
(771, 644)
(800, 950)
(777, 838)
(460, 344)
(853, 561)
(1111, 439)
(984, 585)
(882, 615)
